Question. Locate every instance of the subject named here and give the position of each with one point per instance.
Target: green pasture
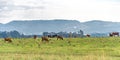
(106, 48)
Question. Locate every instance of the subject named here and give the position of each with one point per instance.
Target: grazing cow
(44, 38)
(59, 37)
(35, 36)
(110, 35)
(114, 34)
(87, 35)
(8, 39)
(52, 36)
(49, 36)
(55, 35)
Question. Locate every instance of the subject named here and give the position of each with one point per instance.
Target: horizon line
(55, 20)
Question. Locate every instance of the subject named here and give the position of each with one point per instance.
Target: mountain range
(40, 26)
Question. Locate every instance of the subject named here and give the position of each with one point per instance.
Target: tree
(15, 34)
(3, 34)
(45, 33)
(81, 33)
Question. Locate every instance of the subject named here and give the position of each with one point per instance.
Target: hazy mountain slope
(101, 26)
(39, 26)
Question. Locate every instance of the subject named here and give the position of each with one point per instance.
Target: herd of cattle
(46, 38)
(110, 34)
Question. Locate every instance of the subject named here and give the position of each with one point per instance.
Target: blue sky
(82, 10)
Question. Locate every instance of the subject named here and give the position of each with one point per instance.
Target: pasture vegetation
(107, 48)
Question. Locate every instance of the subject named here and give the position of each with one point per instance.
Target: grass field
(107, 48)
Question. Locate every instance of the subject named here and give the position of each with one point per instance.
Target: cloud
(83, 10)
(15, 9)
(5, 6)
(8, 5)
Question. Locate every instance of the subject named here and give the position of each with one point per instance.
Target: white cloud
(19, 9)
(82, 10)
(86, 10)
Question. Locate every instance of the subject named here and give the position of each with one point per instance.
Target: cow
(59, 37)
(87, 35)
(8, 39)
(35, 36)
(114, 34)
(49, 36)
(52, 36)
(44, 38)
(110, 34)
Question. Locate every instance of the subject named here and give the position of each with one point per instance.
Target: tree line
(13, 34)
(16, 34)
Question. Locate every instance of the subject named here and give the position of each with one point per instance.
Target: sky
(81, 10)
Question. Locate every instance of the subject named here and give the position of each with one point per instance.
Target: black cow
(59, 37)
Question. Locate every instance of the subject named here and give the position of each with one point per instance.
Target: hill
(39, 26)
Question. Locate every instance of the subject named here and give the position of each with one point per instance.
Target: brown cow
(114, 34)
(35, 36)
(87, 35)
(59, 37)
(8, 39)
(44, 38)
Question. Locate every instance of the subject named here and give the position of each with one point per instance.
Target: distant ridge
(57, 25)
